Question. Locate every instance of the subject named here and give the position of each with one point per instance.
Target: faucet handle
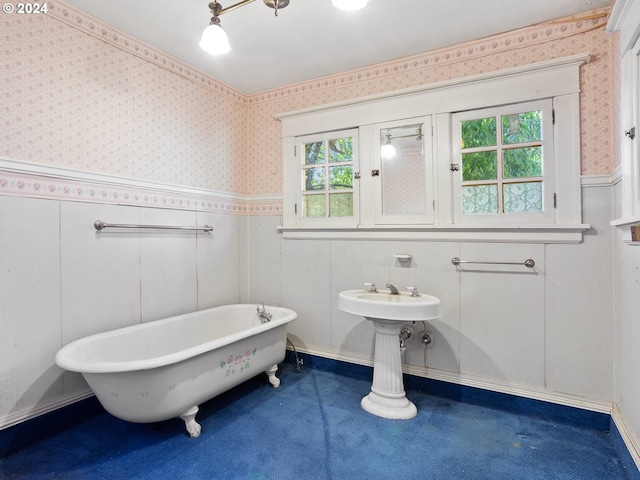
(372, 287)
(414, 291)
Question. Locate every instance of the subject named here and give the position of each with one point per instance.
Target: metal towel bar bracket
(529, 263)
(100, 225)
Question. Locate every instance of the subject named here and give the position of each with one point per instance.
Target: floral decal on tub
(239, 362)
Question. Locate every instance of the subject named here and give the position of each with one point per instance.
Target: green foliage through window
(490, 164)
(327, 166)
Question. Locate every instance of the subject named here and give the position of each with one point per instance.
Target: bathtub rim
(66, 359)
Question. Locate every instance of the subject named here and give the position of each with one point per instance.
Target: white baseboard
(559, 398)
(28, 413)
(630, 440)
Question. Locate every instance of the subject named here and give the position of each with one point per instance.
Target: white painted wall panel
(352, 265)
(218, 261)
(167, 265)
(100, 274)
(502, 314)
(627, 330)
(100, 278)
(29, 303)
(578, 305)
(306, 288)
(433, 273)
(263, 265)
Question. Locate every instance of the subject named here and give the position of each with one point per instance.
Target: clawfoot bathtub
(163, 369)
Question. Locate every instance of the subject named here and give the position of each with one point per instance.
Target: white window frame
(298, 159)
(557, 79)
(548, 167)
(380, 218)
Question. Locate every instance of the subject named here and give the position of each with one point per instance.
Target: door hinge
(555, 200)
(295, 208)
(454, 167)
(553, 116)
(295, 150)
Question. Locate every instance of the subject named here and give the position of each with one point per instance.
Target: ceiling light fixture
(214, 39)
(349, 5)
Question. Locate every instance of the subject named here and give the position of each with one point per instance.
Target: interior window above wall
(328, 195)
(492, 157)
(503, 170)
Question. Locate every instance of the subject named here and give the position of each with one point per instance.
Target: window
(326, 175)
(403, 183)
(514, 136)
(503, 164)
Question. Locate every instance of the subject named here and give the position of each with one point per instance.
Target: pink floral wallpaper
(77, 93)
(541, 42)
(70, 99)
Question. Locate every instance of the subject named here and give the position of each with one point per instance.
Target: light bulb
(214, 40)
(349, 5)
(388, 151)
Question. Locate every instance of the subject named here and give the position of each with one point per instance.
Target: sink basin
(384, 305)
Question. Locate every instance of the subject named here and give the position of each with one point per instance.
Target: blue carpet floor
(312, 427)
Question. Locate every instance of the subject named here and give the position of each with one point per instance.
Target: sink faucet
(392, 287)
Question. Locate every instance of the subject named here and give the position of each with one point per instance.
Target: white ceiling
(312, 38)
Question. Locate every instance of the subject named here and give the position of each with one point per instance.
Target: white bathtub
(163, 369)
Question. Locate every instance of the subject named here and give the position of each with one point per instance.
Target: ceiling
(311, 38)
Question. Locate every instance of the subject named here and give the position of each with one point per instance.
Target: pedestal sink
(388, 312)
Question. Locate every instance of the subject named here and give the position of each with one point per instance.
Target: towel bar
(529, 263)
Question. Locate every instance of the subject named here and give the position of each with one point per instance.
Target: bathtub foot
(273, 380)
(189, 418)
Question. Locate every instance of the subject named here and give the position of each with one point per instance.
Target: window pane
(313, 206)
(522, 197)
(522, 127)
(523, 162)
(314, 153)
(340, 177)
(480, 199)
(479, 166)
(341, 150)
(341, 205)
(313, 179)
(479, 133)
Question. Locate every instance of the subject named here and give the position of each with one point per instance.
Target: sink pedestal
(389, 312)
(387, 398)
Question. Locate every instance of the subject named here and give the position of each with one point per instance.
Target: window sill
(631, 228)
(445, 233)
